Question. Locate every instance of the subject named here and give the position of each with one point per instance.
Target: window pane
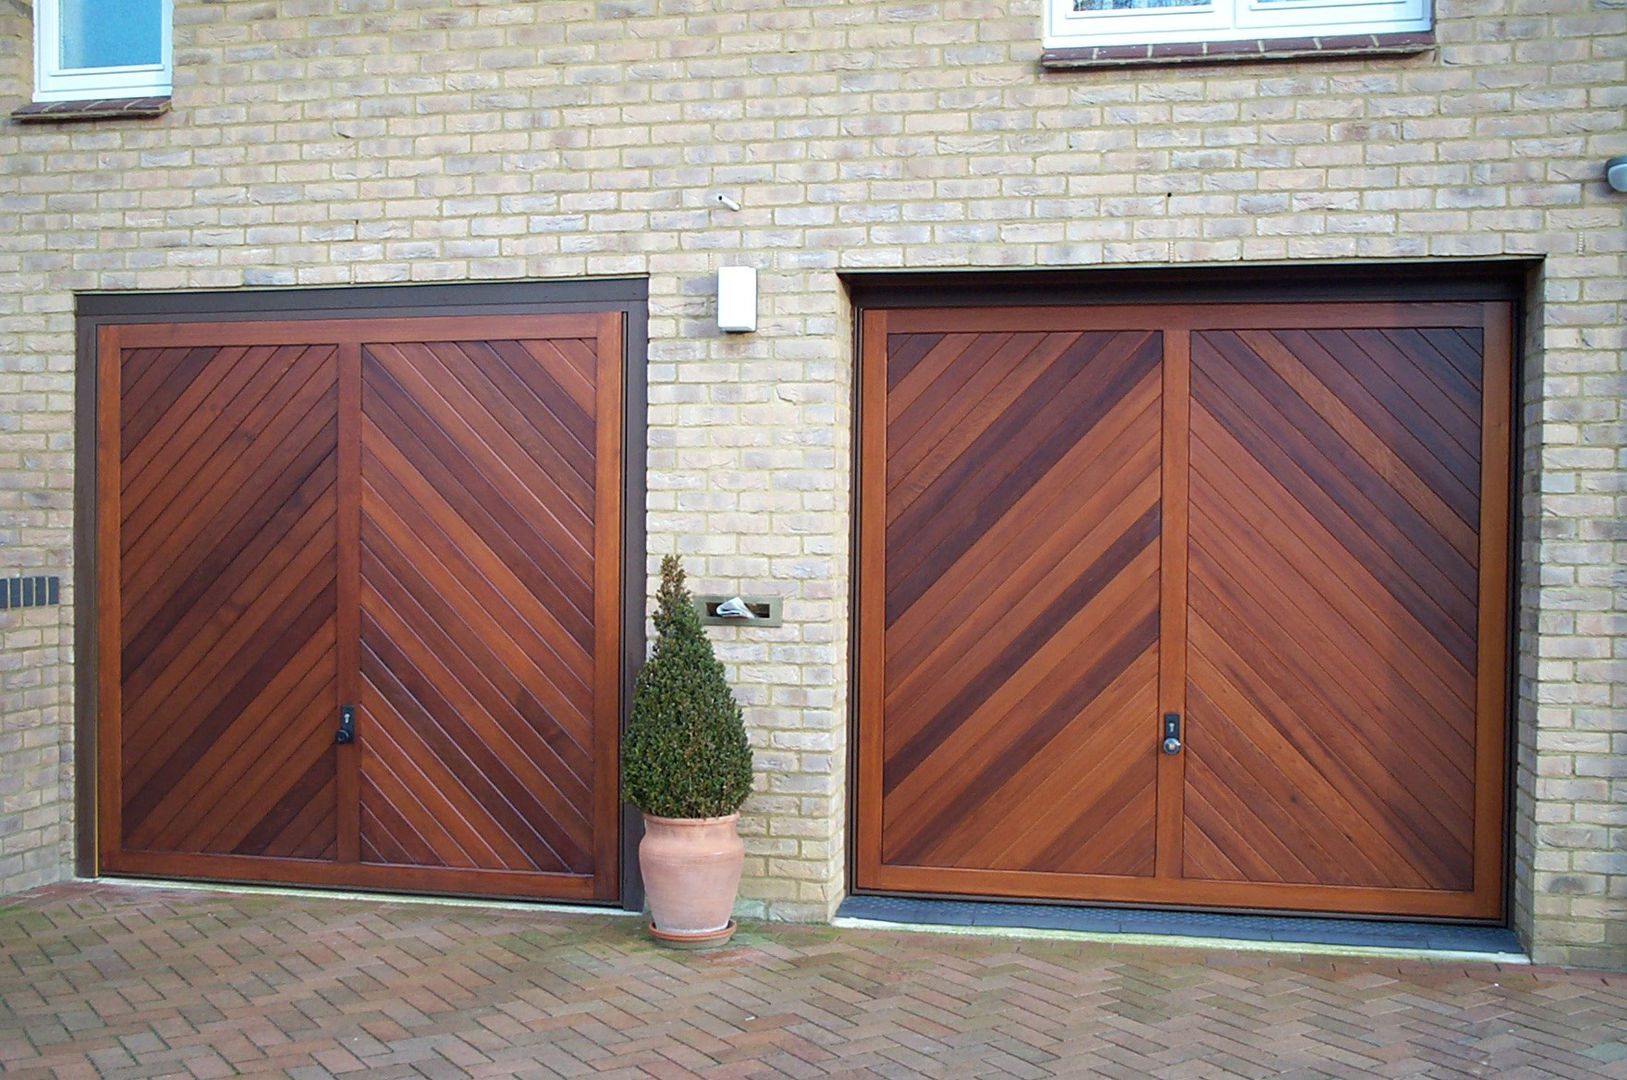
(110, 33)
(1137, 5)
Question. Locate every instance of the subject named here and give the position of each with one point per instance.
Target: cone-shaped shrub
(685, 753)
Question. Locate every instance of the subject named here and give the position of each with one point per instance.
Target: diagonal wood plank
(1053, 813)
(1022, 588)
(232, 767)
(907, 350)
(394, 783)
(950, 423)
(1107, 482)
(1393, 378)
(289, 408)
(1447, 468)
(1310, 458)
(1390, 467)
(1427, 665)
(212, 708)
(546, 795)
(300, 823)
(517, 627)
(466, 779)
(467, 500)
(555, 525)
(226, 508)
(1017, 450)
(487, 689)
(1300, 614)
(205, 673)
(1301, 812)
(990, 674)
(215, 394)
(154, 391)
(1009, 598)
(943, 376)
(477, 601)
(1332, 683)
(519, 416)
(1355, 528)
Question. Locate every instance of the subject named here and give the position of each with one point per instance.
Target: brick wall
(316, 142)
(1571, 759)
(36, 531)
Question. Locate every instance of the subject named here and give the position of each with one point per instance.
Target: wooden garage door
(411, 523)
(1279, 528)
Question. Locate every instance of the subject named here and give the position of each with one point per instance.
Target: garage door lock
(347, 725)
(1172, 733)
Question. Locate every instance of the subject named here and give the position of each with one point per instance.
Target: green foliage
(685, 753)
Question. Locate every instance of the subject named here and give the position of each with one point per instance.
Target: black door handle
(347, 725)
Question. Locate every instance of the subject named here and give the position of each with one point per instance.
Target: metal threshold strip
(1275, 932)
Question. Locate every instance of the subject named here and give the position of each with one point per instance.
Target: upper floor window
(1151, 22)
(85, 49)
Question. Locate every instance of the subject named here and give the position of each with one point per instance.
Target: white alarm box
(737, 299)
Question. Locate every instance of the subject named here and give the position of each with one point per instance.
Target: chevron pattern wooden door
(419, 518)
(1284, 525)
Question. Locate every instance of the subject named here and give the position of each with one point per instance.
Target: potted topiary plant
(686, 764)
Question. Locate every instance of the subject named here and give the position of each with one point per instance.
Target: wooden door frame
(1506, 281)
(629, 296)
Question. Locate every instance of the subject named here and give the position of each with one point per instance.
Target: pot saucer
(708, 940)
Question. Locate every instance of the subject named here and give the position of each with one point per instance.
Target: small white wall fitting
(737, 299)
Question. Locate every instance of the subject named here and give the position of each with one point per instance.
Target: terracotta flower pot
(691, 870)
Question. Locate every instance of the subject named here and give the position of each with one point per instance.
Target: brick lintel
(1218, 52)
(57, 112)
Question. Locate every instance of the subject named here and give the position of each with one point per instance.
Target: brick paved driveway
(117, 981)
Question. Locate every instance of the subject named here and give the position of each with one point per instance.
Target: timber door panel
(1332, 638)
(1022, 603)
(228, 600)
(1283, 524)
(420, 517)
(481, 502)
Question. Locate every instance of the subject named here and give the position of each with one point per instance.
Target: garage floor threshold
(1280, 930)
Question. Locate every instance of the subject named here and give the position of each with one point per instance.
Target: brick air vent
(35, 591)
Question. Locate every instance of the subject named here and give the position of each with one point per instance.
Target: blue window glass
(110, 33)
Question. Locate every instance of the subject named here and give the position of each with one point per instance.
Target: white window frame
(1231, 20)
(53, 82)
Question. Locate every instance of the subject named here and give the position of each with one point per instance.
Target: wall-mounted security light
(1615, 173)
(737, 299)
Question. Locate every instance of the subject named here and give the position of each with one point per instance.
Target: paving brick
(392, 988)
